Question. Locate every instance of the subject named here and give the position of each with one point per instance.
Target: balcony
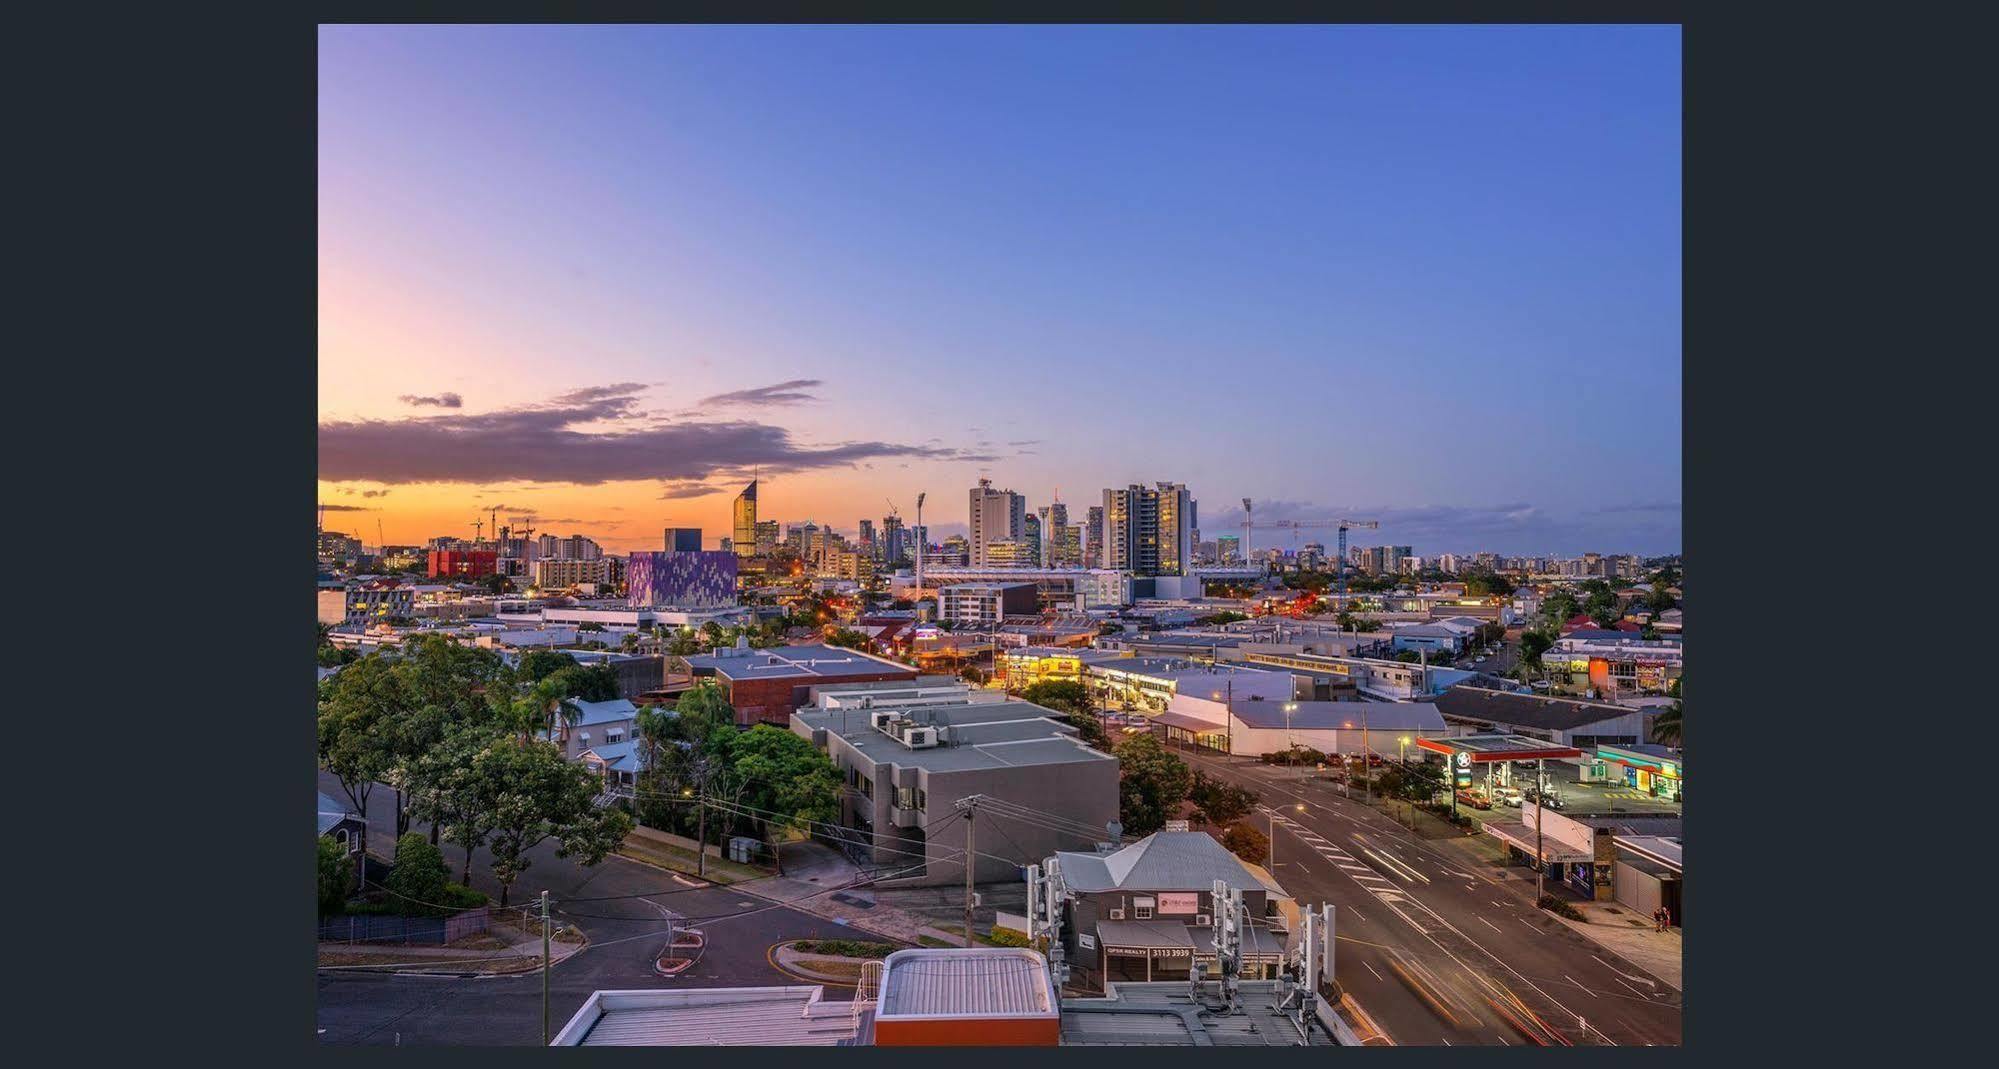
(905, 816)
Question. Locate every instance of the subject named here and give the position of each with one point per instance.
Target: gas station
(1655, 770)
(1465, 754)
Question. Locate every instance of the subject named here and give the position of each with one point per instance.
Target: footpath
(1612, 925)
(521, 952)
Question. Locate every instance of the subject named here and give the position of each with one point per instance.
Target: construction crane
(1344, 525)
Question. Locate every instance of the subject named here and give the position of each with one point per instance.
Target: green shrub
(336, 877)
(844, 948)
(417, 881)
(1007, 937)
(1561, 907)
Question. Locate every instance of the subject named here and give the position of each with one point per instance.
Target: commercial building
(366, 603)
(1251, 728)
(911, 751)
(767, 686)
(1013, 553)
(1562, 721)
(682, 540)
(1613, 663)
(1073, 589)
(462, 563)
(1393, 681)
(986, 604)
(1149, 531)
(705, 579)
(995, 516)
(1146, 912)
(1651, 768)
(558, 574)
(743, 536)
(1072, 629)
(1024, 666)
(1093, 537)
(1148, 684)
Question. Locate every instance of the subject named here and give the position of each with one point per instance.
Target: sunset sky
(597, 275)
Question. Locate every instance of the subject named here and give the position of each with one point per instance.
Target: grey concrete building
(910, 751)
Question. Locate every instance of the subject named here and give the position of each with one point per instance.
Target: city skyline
(560, 279)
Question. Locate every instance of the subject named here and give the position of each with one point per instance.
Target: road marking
(1502, 1039)
(1531, 926)
(1628, 987)
(1495, 902)
(1447, 1041)
(1578, 983)
(1370, 968)
(1487, 923)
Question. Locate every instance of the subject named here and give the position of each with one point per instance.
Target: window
(614, 736)
(1143, 913)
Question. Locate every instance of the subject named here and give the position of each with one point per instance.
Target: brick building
(767, 686)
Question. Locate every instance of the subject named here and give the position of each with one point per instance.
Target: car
(1475, 799)
(1532, 795)
(1510, 796)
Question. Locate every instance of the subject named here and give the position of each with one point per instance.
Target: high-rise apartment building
(956, 552)
(996, 515)
(1093, 537)
(893, 539)
(766, 541)
(1149, 531)
(744, 537)
(1030, 536)
(866, 539)
(1065, 548)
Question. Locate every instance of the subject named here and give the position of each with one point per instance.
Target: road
(626, 930)
(1433, 949)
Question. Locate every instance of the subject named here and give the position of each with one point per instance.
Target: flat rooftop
(744, 1016)
(1177, 1020)
(800, 662)
(989, 735)
(970, 982)
(1484, 748)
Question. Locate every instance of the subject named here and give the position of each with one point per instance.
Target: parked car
(1510, 796)
(1475, 799)
(1554, 800)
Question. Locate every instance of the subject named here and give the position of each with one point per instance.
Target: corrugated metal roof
(975, 982)
(1163, 861)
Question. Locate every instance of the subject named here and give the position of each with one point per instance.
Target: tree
(528, 794)
(445, 792)
(1151, 783)
(494, 584)
(786, 781)
(1061, 695)
(419, 877)
(537, 665)
(1666, 725)
(590, 683)
(1532, 645)
(1660, 599)
(336, 877)
(848, 638)
(1247, 843)
(1220, 803)
(972, 674)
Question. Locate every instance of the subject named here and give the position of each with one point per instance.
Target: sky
(595, 277)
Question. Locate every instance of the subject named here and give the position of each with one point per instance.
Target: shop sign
(1125, 952)
(1180, 904)
(1172, 952)
(1086, 942)
(1464, 760)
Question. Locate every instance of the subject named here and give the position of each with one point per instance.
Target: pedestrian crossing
(1381, 887)
(1629, 795)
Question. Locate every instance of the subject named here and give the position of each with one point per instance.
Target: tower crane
(1344, 525)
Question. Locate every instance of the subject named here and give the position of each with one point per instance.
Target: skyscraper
(1093, 538)
(995, 515)
(893, 537)
(745, 536)
(1149, 532)
(1030, 537)
(866, 538)
(683, 539)
(1228, 549)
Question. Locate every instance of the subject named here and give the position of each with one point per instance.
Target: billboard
(702, 580)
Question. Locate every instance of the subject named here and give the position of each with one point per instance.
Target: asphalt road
(627, 930)
(1439, 954)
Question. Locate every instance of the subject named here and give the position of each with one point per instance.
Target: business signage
(1172, 952)
(1086, 942)
(1126, 952)
(1186, 904)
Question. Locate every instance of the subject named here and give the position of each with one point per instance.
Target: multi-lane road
(1431, 946)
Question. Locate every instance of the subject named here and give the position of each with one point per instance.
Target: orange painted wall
(1029, 1032)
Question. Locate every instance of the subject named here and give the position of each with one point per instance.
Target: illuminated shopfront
(1655, 770)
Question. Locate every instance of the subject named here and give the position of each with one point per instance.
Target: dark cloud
(350, 492)
(442, 400)
(540, 443)
(1514, 527)
(791, 392)
(349, 508)
(689, 489)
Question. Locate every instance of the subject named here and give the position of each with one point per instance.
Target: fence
(373, 928)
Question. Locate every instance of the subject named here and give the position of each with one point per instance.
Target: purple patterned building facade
(702, 580)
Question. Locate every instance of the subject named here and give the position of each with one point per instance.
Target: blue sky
(1429, 273)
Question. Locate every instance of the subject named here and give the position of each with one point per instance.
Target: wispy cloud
(351, 492)
(542, 443)
(1643, 506)
(790, 392)
(442, 400)
(688, 489)
(348, 508)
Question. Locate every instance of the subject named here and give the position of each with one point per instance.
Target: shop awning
(1145, 935)
(1258, 944)
(1522, 836)
(1486, 749)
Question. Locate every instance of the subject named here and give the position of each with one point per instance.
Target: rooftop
(792, 662)
(743, 1016)
(977, 982)
(1164, 861)
(1526, 710)
(1370, 716)
(610, 712)
(987, 735)
(1121, 1018)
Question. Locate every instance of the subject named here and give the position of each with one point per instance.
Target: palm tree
(1666, 726)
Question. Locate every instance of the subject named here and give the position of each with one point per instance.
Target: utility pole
(1367, 760)
(701, 823)
(971, 811)
(1540, 800)
(544, 968)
